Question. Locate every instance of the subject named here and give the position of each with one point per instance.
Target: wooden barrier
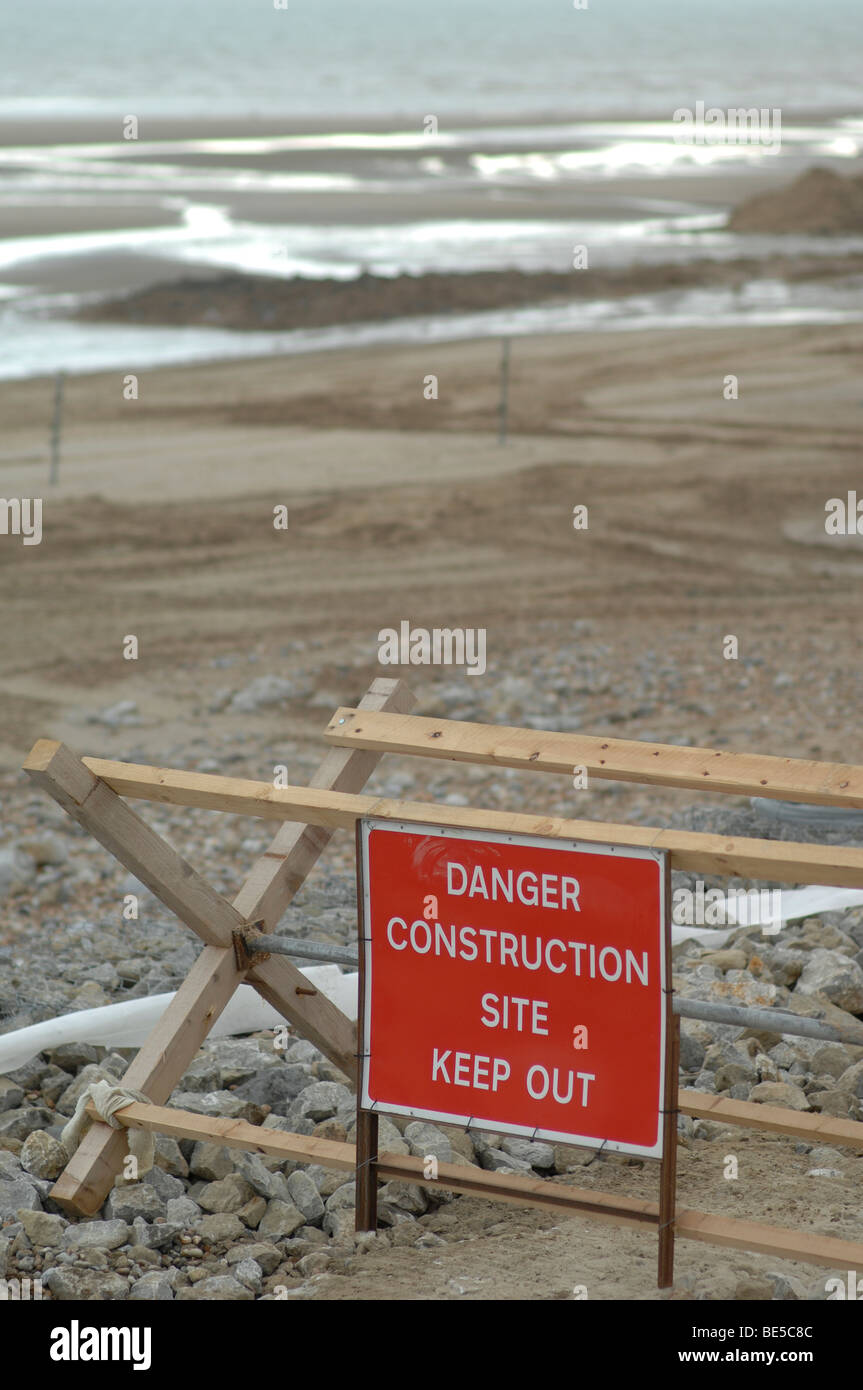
(92, 791)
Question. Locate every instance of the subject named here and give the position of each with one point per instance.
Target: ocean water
(398, 58)
(534, 99)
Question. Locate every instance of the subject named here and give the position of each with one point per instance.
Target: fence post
(56, 427)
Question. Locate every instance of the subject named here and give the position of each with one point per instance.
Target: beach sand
(706, 518)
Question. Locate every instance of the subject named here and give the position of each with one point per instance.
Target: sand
(706, 518)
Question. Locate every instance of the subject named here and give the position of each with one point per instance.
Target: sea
(525, 105)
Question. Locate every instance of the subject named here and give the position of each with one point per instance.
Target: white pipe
(128, 1024)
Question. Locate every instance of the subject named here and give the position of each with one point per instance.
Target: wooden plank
(315, 1016)
(238, 1134)
(779, 1241)
(177, 1037)
(89, 1176)
(616, 759)
(279, 872)
(823, 1129)
(287, 862)
(115, 825)
(726, 1231)
(692, 851)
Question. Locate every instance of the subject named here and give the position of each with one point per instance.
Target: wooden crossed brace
(274, 880)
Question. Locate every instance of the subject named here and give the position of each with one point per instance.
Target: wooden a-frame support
(91, 790)
(274, 880)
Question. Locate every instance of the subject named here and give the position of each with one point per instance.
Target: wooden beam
(99, 809)
(822, 1129)
(89, 1176)
(778, 1241)
(616, 759)
(692, 851)
(503, 1187)
(87, 1179)
(237, 1134)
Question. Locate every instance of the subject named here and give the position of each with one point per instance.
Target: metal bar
(503, 408)
(765, 1020)
(303, 950)
(668, 1172)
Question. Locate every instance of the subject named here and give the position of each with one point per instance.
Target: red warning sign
(514, 983)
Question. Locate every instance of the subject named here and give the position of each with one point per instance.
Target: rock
(429, 1241)
(70, 1283)
(732, 1073)
(852, 1080)
(164, 1185)
(836, 977)
(11, 1094)
(18, 1124)
(216, 1105)
(249, 1273)
(319, 1101)
(427, 1140)
(326, 1180)
(252, 1214)
(72, 1056)
(317, 1262)
(343, 1198)
(87, 1076)
(691, 1052)
(100, 1235)
(157, 1235)
(267, 1257)
(340, 1225)
(143, 1255)
(183, 1211)
(123, 714)
(41, 1228)
(276, 1086)
(753, 1289)
(830, 1059)
(43, 1156)
(241, 1059)
(17, 871)
(303, 1051)
(227, 1194)
(220, 1226)
(842, 1104)
(406, 1196)
(824, 1173)
(152, 1287)
(281, 1219)
(211, 1161)
(260, 1178)
(568, 1159)
(499, 1162)
(785, 1287)
(169, 1157)
(305, 1197)
(261, 693)
(779, 1093)
(537, 1155)
(137, 1200)
(17, 1195)
(202, 1075)
(29, 1074)
(725, 959)
(218, 1288)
